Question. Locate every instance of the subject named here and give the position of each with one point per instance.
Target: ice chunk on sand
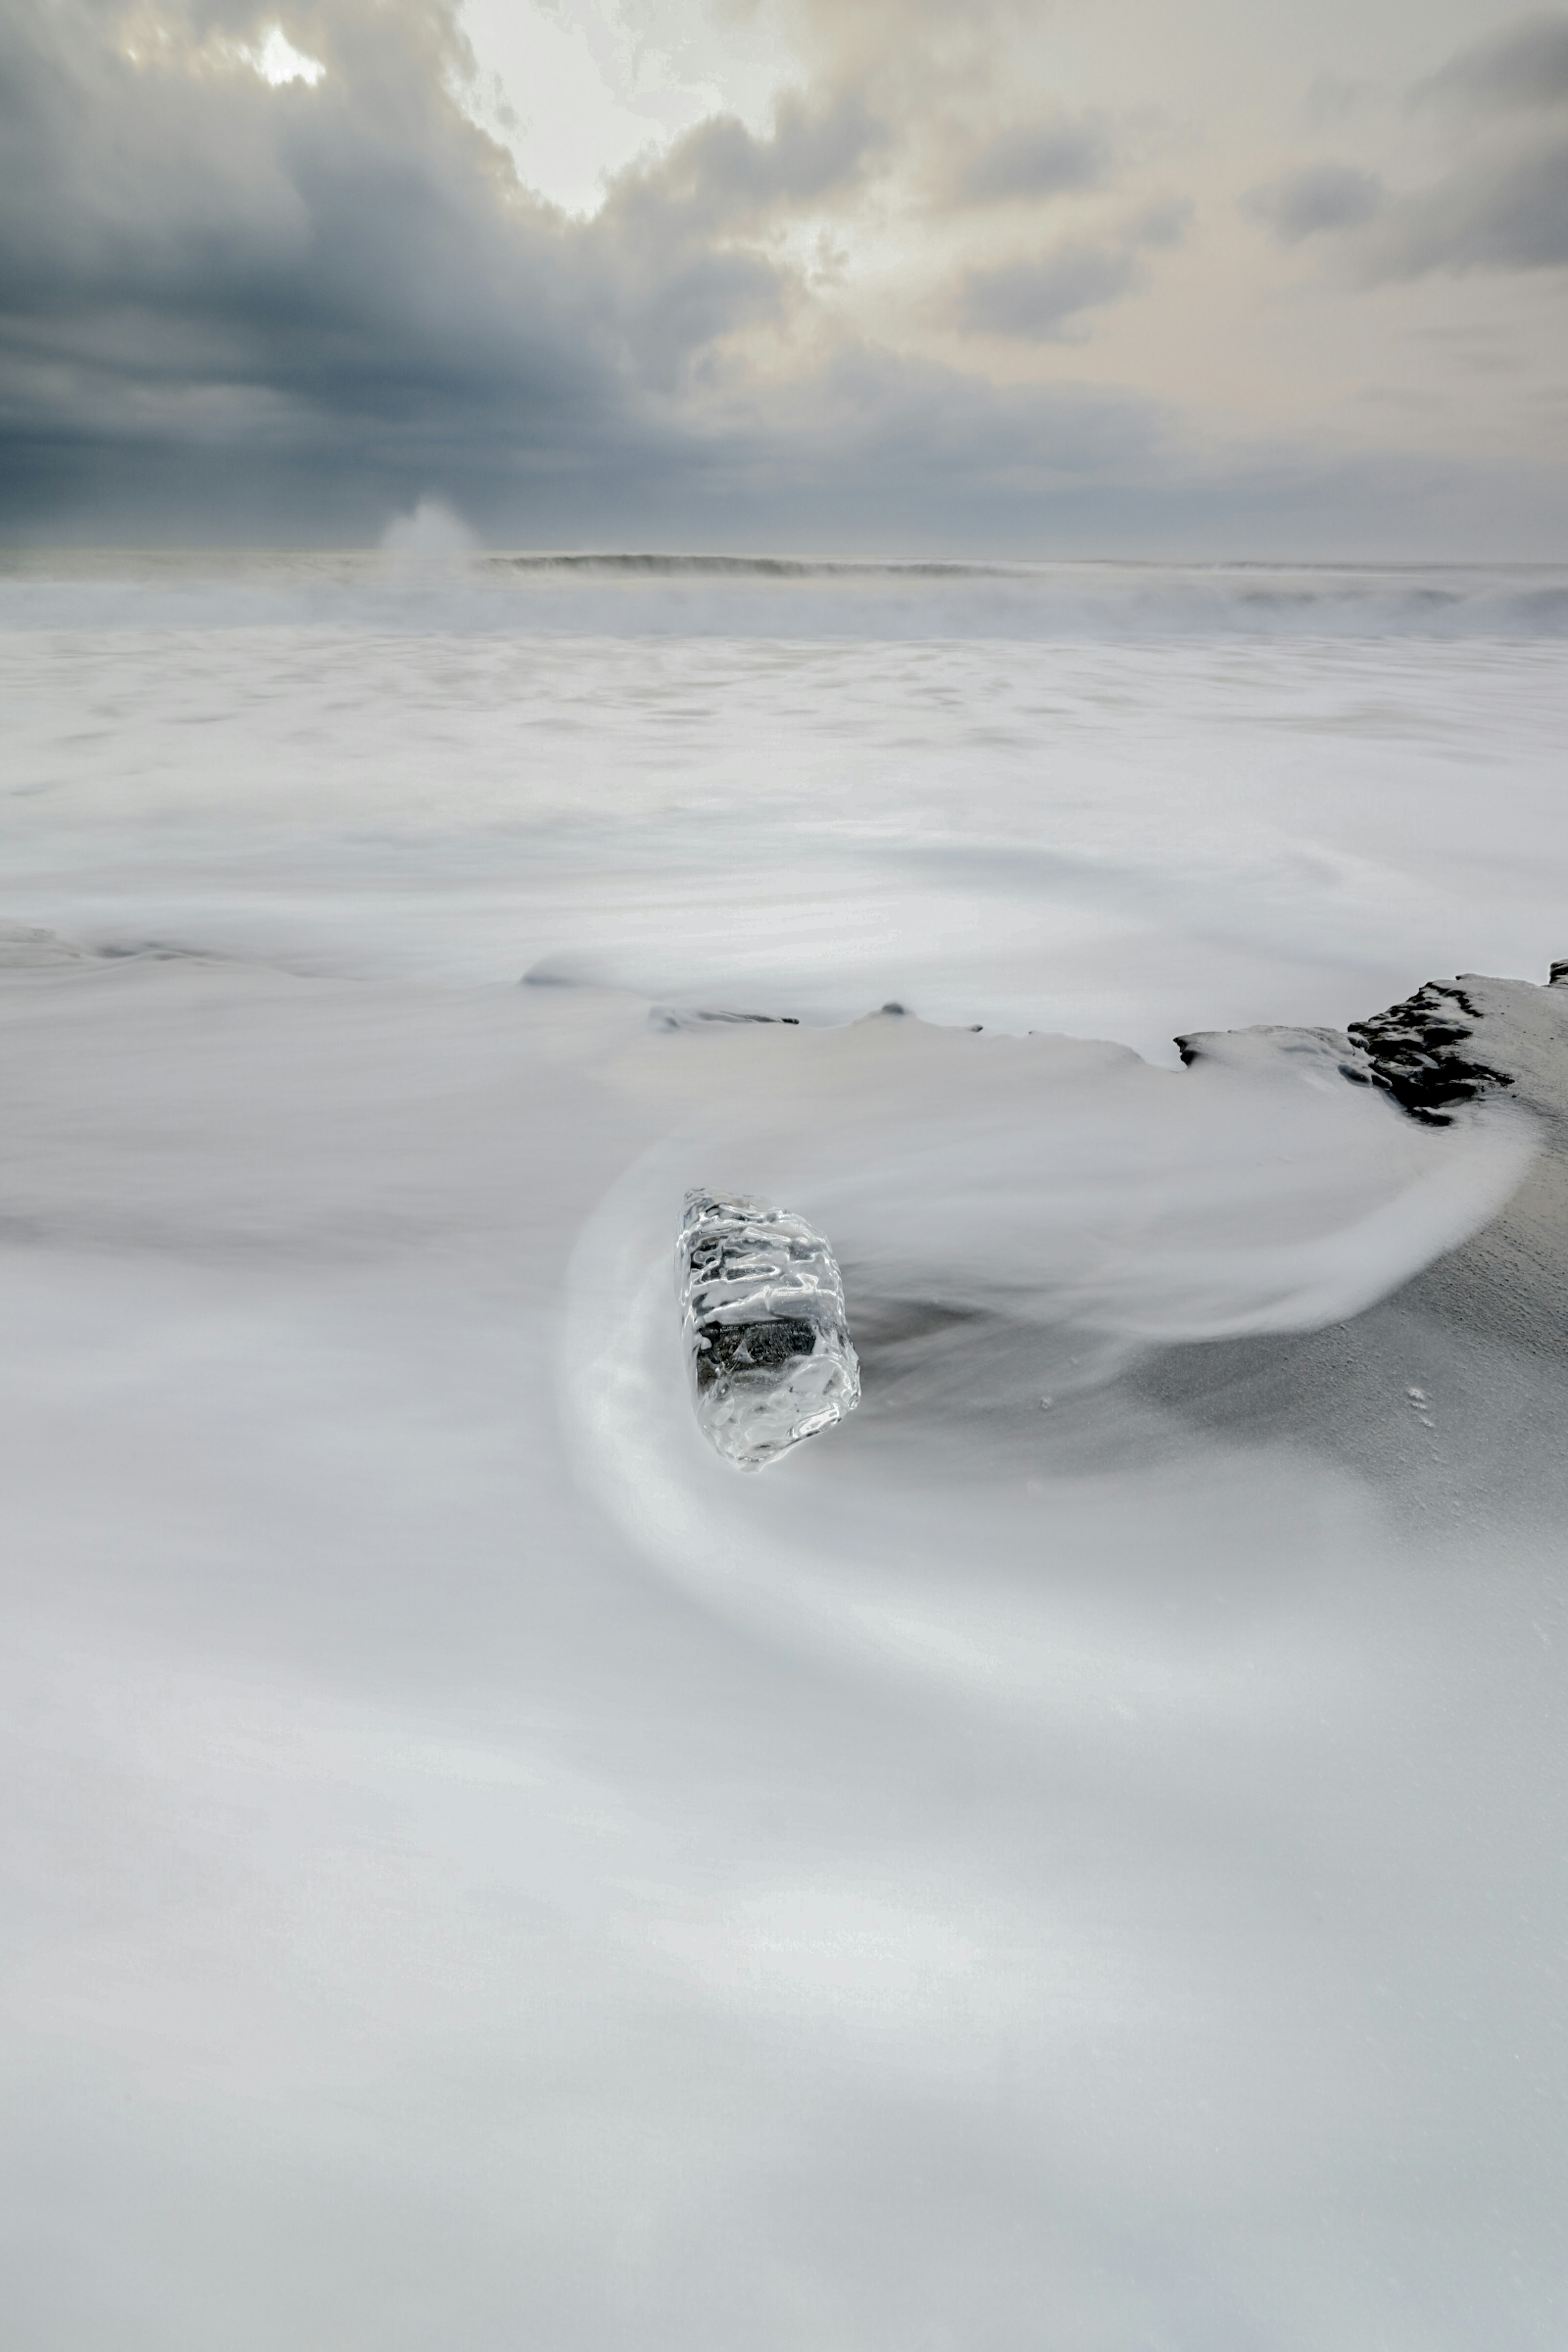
(761, 1304)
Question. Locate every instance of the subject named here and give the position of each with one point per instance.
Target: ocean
(1071, 1860)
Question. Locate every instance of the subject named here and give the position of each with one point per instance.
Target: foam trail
(1012, 1215)
(1075, 1858)
(1052, 1180)
(855, 1569)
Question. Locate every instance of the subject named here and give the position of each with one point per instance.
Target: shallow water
(1072, 1858)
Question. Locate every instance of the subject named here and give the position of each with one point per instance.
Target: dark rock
(1411, 1051)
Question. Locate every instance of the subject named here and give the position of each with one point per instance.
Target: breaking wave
(648, 593)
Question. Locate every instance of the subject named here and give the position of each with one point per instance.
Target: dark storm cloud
(231, 306)
(1039, 298)
(1033, 160)
(178, 242)
(1323, 197)
(1524, 66)
(343, 280)
(232, 309)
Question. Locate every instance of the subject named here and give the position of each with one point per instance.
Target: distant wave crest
(650, 594)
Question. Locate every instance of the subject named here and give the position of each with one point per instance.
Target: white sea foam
(1021, 1875)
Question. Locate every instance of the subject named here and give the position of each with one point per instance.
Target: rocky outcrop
(1416, 1052)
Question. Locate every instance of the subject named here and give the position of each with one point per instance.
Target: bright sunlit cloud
(579, 89)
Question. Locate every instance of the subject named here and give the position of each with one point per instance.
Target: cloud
(308, 237)
(1504, 204)
(1034, 159)
(1506, 212)
(923, 427)
(1501, 205)
(342, 274)
(292, 306)
(1038, 298)
(1160, 226)
(239, 298)
(1523, 66)
(1320, 197)
(721, 175)
(1503, 213)
(677, 238)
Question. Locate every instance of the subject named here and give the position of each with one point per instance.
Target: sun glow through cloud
(579, 90)
(277, 60)
(902, 274)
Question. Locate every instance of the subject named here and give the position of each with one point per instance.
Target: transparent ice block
(767, 1343)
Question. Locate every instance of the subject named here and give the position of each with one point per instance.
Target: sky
(1013, 279)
